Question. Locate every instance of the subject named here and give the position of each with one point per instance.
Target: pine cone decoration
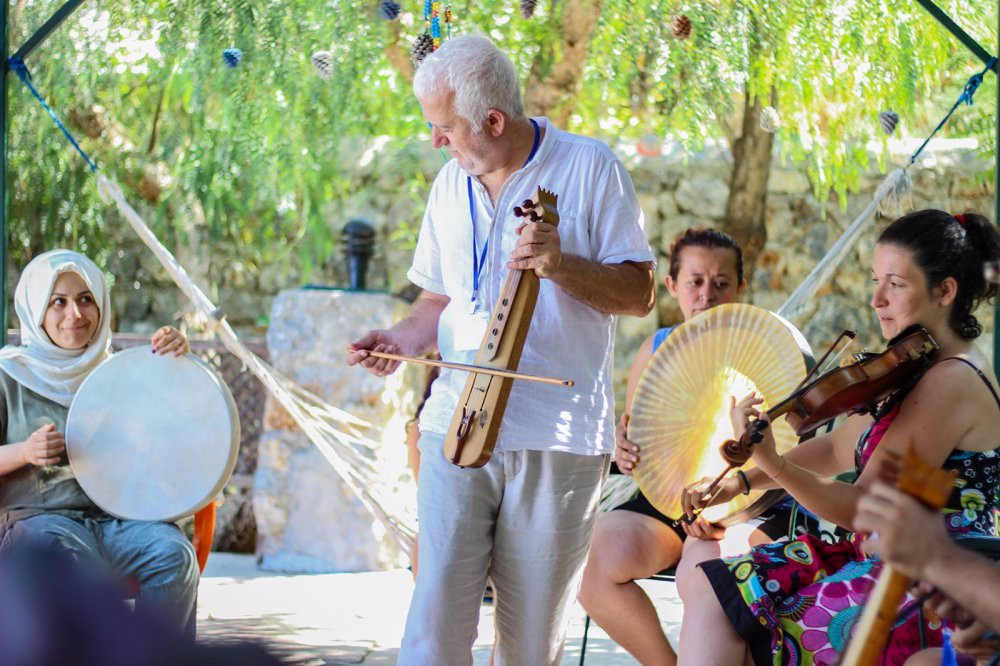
(422, 48)
(389, 10)
(681, 27)
(770, 121)
(528, 8)
(323, 63)
(232, 57)
(888, 120)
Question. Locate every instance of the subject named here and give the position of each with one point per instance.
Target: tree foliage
(245, 162)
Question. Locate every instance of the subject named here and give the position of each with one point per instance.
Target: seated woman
(797, 602)
(63, 305)
(635, 540)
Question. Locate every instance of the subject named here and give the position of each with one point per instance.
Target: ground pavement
(357, 618)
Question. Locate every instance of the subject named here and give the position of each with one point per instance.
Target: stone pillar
(308, 518)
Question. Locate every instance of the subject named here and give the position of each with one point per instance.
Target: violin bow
(486, 370)
(839, 344)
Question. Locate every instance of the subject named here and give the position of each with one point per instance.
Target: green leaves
(260, 158)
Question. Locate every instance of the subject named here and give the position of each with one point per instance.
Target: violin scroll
(736, 453)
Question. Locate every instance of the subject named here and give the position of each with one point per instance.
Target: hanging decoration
(389, 10)
(430, 39)
(680, 26)
(323, 64)
(232, 57)
(421, 48)
(888, 120)
(528, 8)
(770, 121)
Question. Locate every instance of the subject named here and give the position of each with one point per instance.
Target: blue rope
(19, 68)
(970, 89)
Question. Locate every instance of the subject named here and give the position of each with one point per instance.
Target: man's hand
(903, 532)
(378, 341)
(538, 248)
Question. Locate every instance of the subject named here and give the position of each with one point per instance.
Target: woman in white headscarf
(63, 304)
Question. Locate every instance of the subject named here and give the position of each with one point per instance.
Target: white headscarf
(38, 363)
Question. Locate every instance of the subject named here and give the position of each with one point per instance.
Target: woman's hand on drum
(44, 447)
(168, 340)
(694, 497)
(626, 451)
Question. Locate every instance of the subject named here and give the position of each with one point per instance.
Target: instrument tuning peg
(528, 203)
(518, 212)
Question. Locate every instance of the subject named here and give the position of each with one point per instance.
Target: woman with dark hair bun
(958, 246)
(798, 602)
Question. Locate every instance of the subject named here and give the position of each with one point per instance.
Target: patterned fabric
(798, 602)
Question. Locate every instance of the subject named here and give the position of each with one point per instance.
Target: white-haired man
(525, 519)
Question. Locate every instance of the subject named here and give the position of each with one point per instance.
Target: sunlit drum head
(152, 437)
(680, 410)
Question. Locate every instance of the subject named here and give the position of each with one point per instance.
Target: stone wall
(308, 518)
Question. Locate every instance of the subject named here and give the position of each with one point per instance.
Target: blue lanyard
(479, 262)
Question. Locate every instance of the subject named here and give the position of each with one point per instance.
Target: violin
(852, 389)
(476, 423)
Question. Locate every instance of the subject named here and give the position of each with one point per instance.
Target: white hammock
(333, 431)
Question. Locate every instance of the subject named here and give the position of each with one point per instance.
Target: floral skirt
(798, 602)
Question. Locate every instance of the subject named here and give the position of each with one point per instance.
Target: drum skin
(680, 410)
(152, 437)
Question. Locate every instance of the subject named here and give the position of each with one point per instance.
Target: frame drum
(680, 409)
(152, 437)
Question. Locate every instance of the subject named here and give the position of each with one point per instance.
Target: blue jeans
(157, 555)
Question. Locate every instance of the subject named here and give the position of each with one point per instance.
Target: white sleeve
(425, 270)
(616, 228)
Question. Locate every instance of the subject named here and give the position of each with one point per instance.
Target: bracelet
(746, 482)
(784, 464)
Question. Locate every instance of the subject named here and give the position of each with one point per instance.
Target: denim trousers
(156, 555)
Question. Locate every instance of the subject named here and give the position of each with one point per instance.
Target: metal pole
(996, 215)
(985, 56)
(3, 175)
(30, 45)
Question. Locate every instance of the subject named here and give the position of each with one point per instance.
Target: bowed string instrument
(851, 389)
(476, 422)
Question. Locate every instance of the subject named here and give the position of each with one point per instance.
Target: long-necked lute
(476, 423)
(931, 486)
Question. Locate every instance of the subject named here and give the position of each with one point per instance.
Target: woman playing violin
(635, 540)
(797, 602)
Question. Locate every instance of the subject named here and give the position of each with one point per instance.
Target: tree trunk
(557, 72)
(747, 204)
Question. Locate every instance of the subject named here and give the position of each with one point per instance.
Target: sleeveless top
(974, 504)
(660, 336)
